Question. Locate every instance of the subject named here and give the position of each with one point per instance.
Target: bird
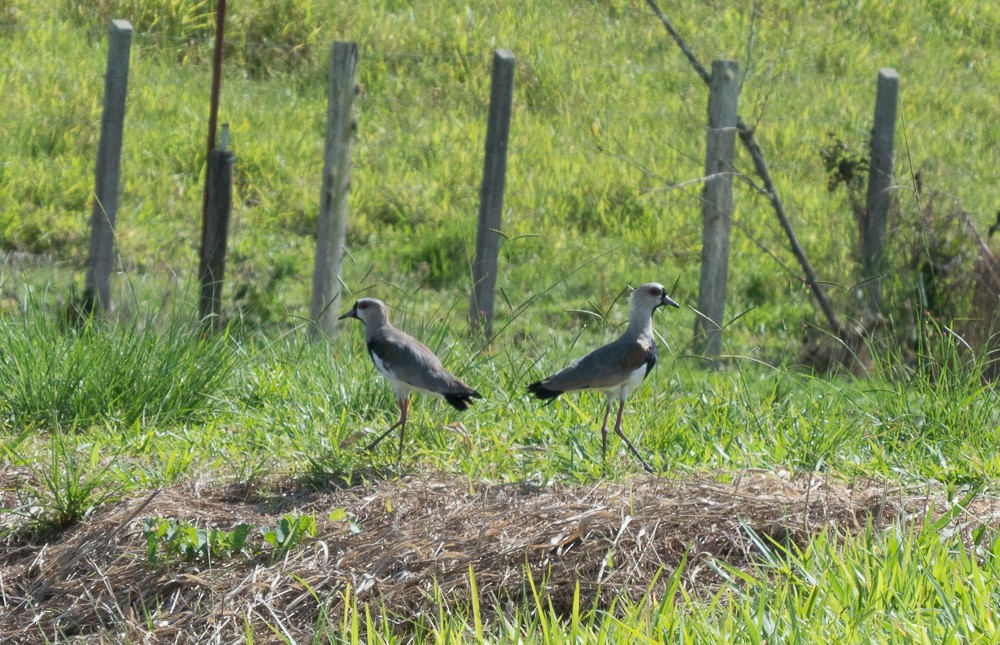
(616, 368)
(407, 364)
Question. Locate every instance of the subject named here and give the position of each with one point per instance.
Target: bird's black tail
(543, 392)
(461, 400)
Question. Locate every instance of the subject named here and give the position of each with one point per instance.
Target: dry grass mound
(398, 539)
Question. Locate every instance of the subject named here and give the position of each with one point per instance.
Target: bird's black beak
(667, 300)
(353, 313)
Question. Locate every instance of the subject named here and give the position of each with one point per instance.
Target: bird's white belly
(382, 368)
(633, 381)
(399, 387)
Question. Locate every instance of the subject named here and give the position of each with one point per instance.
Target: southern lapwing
(617, 368)
(407, 364)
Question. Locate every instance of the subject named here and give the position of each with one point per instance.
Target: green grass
(183, 405)
(130, 373)
(608, 120)
(904, 585)
(284, 408)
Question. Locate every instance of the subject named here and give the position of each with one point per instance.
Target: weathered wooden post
(332, 231)
(97, 289)
(484, 267)
(217, 200)
(879, 186)
(717, 206)
(212, 269)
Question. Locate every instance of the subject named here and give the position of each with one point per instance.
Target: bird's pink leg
(604, 429)
(618, 431)
(404, 413)
(404, 405)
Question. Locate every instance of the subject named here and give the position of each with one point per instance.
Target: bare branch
(984, 248)
(751, 40)
(760, 165)
(698, 67)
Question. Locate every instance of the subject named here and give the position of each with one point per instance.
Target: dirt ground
(401, 541)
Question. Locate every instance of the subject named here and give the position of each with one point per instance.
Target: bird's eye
(655, 291)
(362, 305)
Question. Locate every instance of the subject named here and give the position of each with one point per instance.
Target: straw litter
(407, 544)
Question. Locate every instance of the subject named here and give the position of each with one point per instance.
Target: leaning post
(880, 184)
(212, 267)
(100, 260)
(485, 265)
(332, 229)
(717, 207)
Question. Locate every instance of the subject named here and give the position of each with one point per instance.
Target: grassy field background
(606, 149)
(574, 199)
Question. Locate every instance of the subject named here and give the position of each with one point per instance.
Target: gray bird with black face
(616, 368)
(407, 364)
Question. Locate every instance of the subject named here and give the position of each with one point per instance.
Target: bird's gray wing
(410, 361)
(605, 367)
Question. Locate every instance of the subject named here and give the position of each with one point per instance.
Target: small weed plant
(170, 539)
(71, 481)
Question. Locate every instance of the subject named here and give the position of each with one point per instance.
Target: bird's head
(649, 296)
(368, 311)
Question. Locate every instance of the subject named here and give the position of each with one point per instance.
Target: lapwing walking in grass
(617, 368)
(407, 364)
